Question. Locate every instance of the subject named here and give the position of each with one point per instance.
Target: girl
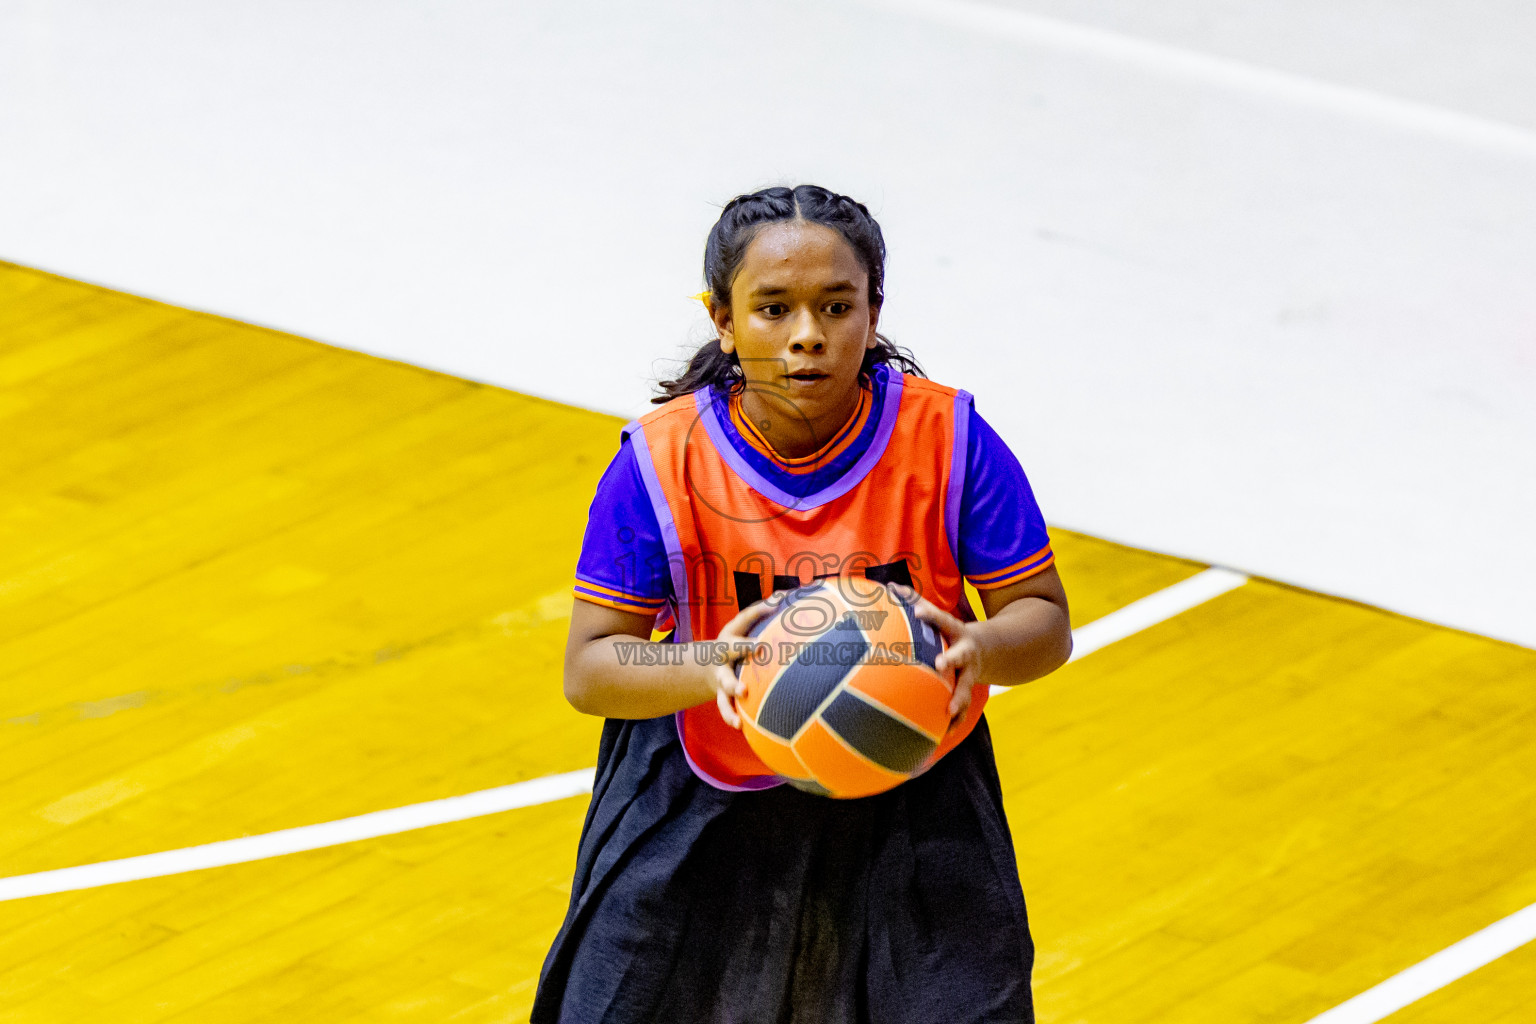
(799, 443)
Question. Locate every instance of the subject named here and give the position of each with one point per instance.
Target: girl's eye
(838, 308)
(773, 309)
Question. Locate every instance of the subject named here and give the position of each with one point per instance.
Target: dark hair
(739, 223)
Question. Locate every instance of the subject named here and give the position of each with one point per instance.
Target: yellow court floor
(248, 582)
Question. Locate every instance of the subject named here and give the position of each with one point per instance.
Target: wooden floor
(249, 582)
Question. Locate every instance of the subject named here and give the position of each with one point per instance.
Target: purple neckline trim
(710, 414)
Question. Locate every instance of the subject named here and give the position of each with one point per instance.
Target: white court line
(1400, 990)
(1112, 627)
(1192, 65)
(1149, 611)
(1436, 972)
(1154, 608)
(1369, 1007)
(305, 837)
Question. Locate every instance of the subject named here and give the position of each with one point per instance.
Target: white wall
(1472, 57)
(1219, 313)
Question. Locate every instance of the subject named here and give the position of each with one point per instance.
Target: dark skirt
(695, 906)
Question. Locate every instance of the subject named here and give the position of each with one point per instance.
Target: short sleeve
(1002, 533)
(623, 562)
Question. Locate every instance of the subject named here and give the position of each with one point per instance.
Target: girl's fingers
(947, 624)
(745, 619)
(727, 706)
(960, 702)
(960, 661)
(960, 664)
(728, 682)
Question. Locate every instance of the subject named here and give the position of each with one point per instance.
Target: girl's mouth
(806, 376)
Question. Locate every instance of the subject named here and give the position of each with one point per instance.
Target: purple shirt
(1002, 533)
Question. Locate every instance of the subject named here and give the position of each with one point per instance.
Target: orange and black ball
(842, 698)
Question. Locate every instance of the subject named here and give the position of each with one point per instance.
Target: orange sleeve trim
(616, 605)
(1024, 563)
(603, 590)
(1022, 574)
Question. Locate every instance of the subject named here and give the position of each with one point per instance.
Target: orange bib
(732, 535)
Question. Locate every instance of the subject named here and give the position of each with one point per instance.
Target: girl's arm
(613, 669)
(1026, 635)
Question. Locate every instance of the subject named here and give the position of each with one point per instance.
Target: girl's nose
(807, 335)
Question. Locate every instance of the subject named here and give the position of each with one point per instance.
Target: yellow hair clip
(704, 298)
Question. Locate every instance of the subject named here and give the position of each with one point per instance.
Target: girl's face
(799, 321)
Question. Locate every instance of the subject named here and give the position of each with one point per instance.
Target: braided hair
(739, 223)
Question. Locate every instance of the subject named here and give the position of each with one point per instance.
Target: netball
(842, 697)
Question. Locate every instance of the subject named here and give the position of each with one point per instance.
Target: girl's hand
(961, 661)
(728, 686)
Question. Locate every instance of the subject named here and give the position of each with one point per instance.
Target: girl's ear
(720, 315)
(874, 325)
